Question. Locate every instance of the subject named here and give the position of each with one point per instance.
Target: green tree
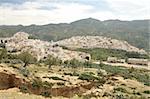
(74, 63)
(52, 61)
(3, 53)
(26, 58)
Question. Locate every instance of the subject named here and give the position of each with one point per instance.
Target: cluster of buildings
(98, 42)
(20, 42)
(134, 61)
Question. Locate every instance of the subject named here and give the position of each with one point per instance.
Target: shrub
(68, 74)
(147, 92)
(72, 74)
(87, 64)
(24, 89)
(3, 54)
(74, 63)
(37, 83)
(47, 84)
(88, 77)
(75, 74)
(45, 94)
(60, 83)
(56, 78)
(136, 93)
(120, 89)
(101, 81)
(52, 61)
(24, 72)
(66, 63)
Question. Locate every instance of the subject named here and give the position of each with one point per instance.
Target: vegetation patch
(88, 77)
(37, 83)
(60, 84)
(123, 90)
(103, 54)
(24, 89)
(147, 92)
(140, 75)
(45, 94)
(56, 78)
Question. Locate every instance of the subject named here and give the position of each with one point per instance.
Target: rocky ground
(65, 83)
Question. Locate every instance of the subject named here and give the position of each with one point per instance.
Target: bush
(136, 93)
(56, 78)
(24, 72)
(74, 63)
(46, 94)
(37, 83)
(3, 54)
(60, 84)
(87, 64)
(72, 74)
(47, 84)
(88, 77)
(120, 89)
(68, 74)
(24, 89)
(52, 61)
(147, 92)
(75, 74)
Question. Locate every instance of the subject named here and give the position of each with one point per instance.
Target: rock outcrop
(98, 42)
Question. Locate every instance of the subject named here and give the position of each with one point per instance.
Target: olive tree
(52, 61)
(26, 58)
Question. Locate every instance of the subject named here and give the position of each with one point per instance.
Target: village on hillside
(21, 42)
(72, 68)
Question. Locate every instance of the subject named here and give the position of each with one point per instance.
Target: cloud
(130, 9)
(12, 1)
(31, 13)
(28, 12)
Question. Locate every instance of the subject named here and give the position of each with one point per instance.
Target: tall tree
(26, 58)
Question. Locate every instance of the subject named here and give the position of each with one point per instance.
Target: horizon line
(75, 21)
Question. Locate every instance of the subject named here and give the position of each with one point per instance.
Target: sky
(27, 12)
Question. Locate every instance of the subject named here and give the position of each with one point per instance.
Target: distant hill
(135, 32)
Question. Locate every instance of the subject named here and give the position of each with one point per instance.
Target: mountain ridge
(135, 32)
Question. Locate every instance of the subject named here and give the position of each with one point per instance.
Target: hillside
(135, 32)
(88, 42)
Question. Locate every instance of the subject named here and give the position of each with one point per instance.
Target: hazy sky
(28, 12)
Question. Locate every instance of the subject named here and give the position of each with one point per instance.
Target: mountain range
(136, 32)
